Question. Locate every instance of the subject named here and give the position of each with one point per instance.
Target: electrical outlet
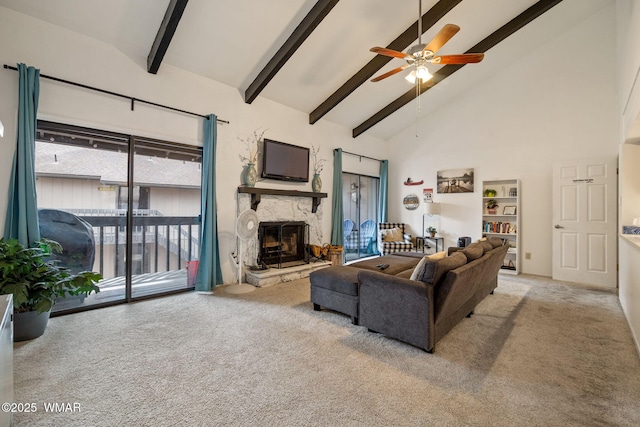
(527, 255)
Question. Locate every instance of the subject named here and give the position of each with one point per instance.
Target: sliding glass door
(166, 209)
(360, 203)
(125, 206)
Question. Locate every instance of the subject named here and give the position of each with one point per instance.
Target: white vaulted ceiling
(231, 41)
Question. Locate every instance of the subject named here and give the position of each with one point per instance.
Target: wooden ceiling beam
(165, 33)
(400, 43)
(487, 43)
(295, 40)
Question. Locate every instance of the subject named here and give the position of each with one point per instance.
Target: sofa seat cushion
(405, 274)
(341, 279)
(397, 264)
(435, 270)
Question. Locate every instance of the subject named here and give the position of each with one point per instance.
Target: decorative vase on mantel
(250, 175)
(316, 183)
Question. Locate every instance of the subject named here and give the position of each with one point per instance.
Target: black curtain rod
(108, 92)
(361, 156)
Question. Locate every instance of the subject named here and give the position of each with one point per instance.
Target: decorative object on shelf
(455, 181)
(252, 143)
(411, 202)
(316, 183)
(513, 192)
(250, 175)
(318, 165)
(432, 231)
(36, 282)
(491, 206)
(409, 181)
(509, 210)
(490, 192)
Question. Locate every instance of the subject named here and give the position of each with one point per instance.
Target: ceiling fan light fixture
(422, 72)
(411, 77)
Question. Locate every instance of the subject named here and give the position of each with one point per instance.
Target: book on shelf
(499, 227)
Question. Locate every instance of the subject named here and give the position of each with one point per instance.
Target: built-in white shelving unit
(504, 222)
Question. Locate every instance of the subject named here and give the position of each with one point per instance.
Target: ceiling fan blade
(389, 73)
(467, 58)
(443, 36)
(388, 52)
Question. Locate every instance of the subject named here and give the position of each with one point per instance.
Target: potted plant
(491, 206)
(36, 282)
(432, 231)
(490, 192)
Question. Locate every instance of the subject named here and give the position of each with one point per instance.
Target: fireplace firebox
(282, 243)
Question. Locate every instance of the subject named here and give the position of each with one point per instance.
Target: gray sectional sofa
(418, 311)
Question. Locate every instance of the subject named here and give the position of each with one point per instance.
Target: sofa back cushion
(495, 242)
(485, 245)
(435, 270)
(419, 270)
(473, 251)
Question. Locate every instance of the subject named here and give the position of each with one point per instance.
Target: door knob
(558, 226)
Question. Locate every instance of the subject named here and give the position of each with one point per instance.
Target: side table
(426, 244)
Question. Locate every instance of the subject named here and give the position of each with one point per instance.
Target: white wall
(555, 103)
(64, 54)
(629, 108)
(628, 13)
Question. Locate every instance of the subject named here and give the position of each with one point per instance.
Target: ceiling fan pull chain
(418, 104)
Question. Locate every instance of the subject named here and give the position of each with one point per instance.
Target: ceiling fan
(420, 55)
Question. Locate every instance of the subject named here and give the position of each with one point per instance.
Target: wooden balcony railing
(179, 236)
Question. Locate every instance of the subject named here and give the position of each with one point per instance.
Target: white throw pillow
(417, 272)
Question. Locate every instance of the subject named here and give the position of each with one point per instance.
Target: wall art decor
(455, 181)
(427, 195)
(411, 201)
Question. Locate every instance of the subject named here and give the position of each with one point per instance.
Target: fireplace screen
(282, 243)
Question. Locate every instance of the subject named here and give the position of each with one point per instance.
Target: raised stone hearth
(274, 276)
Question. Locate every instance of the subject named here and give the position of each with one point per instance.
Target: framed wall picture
(427, 194)
(455, 181)
(509, 210)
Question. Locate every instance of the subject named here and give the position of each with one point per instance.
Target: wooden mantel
(256, 193)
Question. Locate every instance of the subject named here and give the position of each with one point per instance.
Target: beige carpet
(536, 353)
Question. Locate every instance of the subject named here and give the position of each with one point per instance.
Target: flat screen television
(285, 162)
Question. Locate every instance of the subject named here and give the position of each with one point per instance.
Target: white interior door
(584, 221)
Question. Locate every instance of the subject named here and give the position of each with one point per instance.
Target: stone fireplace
(282, 207)
(282, 243)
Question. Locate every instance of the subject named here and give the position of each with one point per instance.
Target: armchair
(367, 236)
(388, 244)
(349, 243)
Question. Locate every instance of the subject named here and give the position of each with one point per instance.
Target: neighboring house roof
(110, 167)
